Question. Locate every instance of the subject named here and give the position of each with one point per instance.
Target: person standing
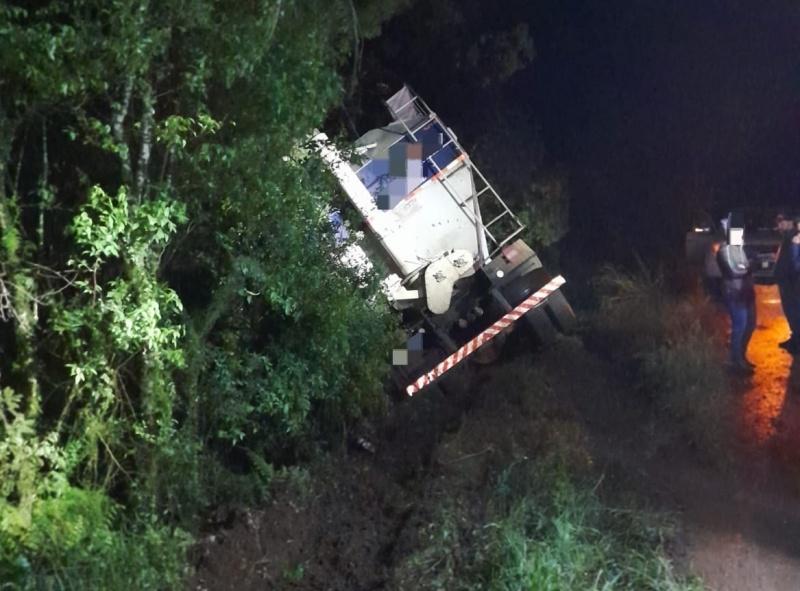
(786, 276)
(738, 292)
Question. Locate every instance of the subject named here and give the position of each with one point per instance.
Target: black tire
(540, 325)
(491, 351)
(560, 312)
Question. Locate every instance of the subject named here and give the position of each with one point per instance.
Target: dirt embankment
(365, 515)
(356, 522)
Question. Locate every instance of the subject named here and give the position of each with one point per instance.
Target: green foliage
(551, 532)
(31, 466)
(56, 536)
(295, 574)
(107, 324)
(533, 514)
(107, 227)
(75, 541)
(172, 296)
(544, 528)
(138, 313)
(545, 210)
(443, 558)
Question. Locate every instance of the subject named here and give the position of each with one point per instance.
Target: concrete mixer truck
(456, 268)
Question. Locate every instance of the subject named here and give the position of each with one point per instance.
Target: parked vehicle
(761, 241)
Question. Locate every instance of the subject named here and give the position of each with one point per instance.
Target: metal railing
(470, 204)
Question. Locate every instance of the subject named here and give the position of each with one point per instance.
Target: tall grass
(536, 519)
(545, 529)
(630, 316)
(561, 536)
(675, 346)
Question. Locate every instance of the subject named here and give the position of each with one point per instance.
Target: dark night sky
(649, 106)
(653, 103)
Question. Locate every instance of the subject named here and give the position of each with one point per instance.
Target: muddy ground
(744, 524)
(356, 521)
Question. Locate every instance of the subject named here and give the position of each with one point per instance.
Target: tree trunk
(148, 112)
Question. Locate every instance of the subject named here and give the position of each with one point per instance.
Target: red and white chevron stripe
(487, 335)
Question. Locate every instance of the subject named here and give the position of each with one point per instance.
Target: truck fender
(441, 275)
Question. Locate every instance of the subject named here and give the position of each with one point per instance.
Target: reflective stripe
(487, 335)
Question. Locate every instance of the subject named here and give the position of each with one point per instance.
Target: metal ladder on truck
(407, 107)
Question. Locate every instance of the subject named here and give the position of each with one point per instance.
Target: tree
(168, 299)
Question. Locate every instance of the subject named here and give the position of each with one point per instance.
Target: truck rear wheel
(560, 312)
(490, 352)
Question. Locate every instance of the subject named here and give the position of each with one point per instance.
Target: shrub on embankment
(672, 348)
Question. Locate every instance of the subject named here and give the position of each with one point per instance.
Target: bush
(77, 540)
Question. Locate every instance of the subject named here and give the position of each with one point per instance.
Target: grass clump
(552, 532)
(536, 516)
(673, 346)
(544, 529)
